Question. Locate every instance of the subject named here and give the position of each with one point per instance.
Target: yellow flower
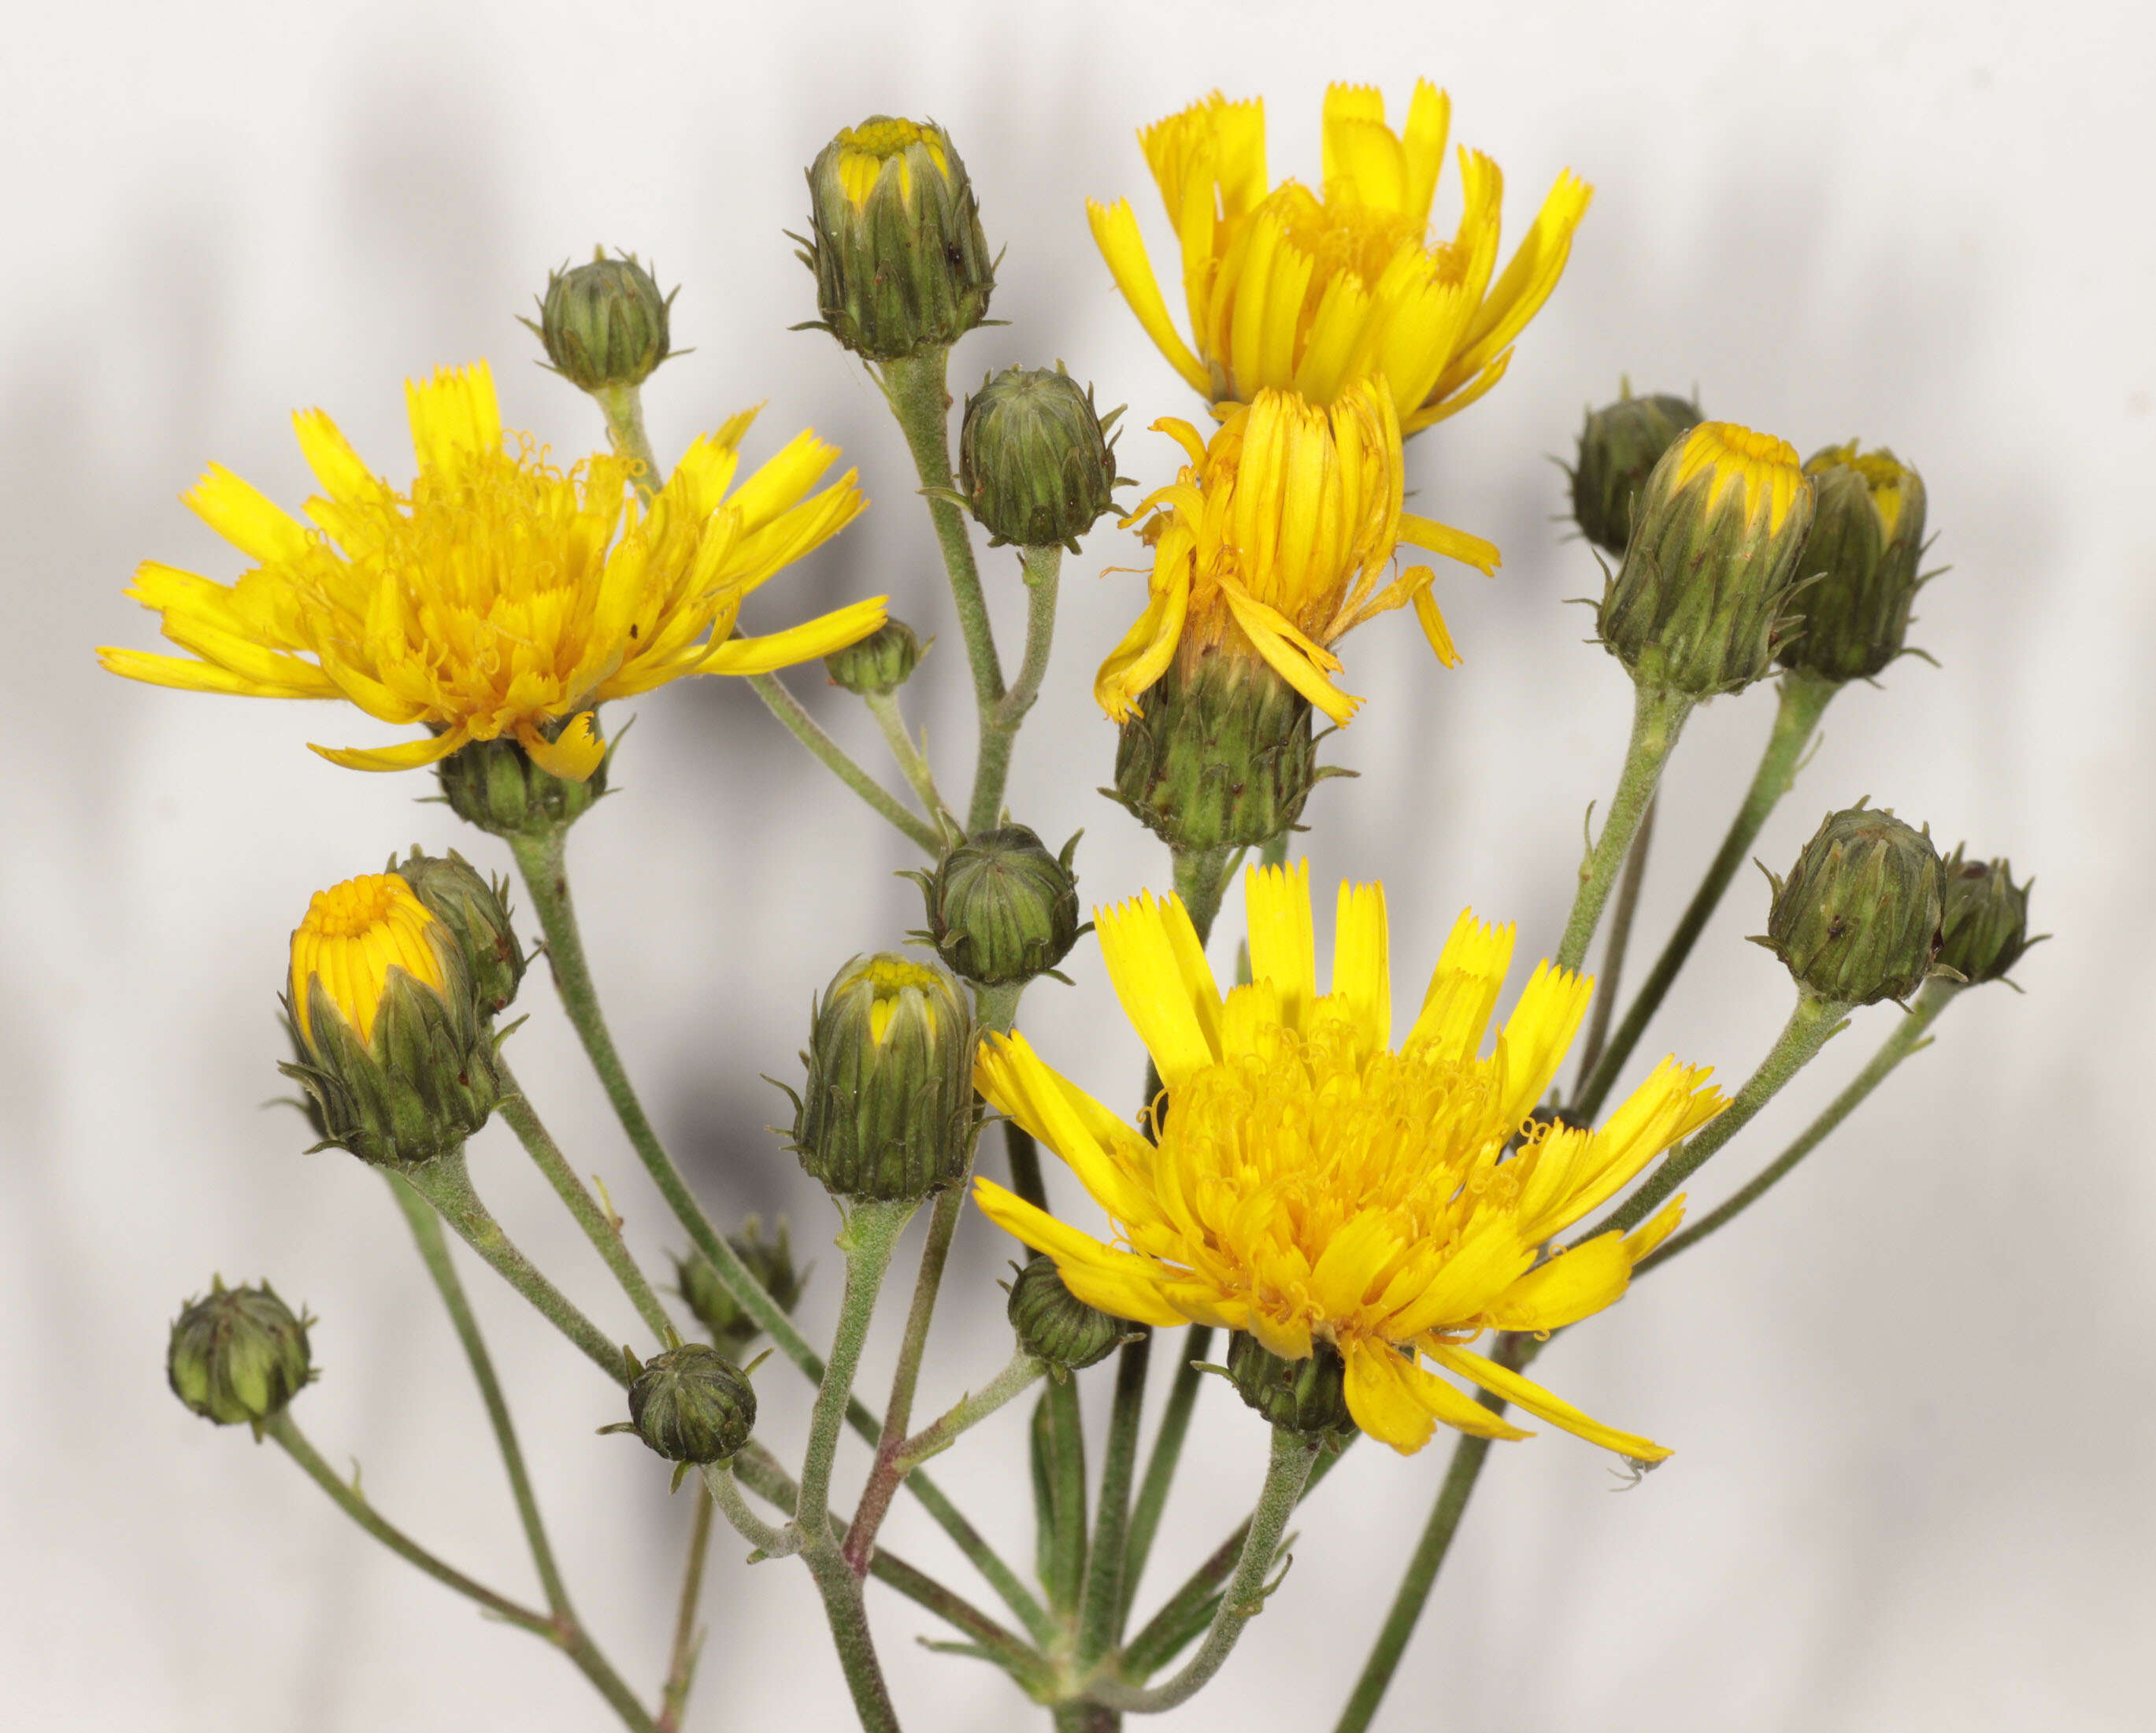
(500, 597)
(1292, 289)
(1308, 1183)
(1273, 542)
(354, 934)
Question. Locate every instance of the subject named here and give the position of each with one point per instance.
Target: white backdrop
(1913, 1400)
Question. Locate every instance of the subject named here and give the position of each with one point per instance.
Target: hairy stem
(1020, 1374)
(445, 1183)
(1803, 699)
(1292, 1456)
(1100, 1602)
(681, 1664)
(870, 1237)
(434, 1252)
(1161, 1465)
(1657, 719)
(1618, 943)
(907, 753)
(560, 1629)
(1908, 1036)
(1041, 565)
(1201, 881)
(599, 1225)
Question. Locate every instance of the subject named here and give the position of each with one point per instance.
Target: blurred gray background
(1911, 1400)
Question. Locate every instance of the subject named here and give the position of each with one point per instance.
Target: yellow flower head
(500, 597)
(1311, 291)
(864, 151)
(1309, 1183)
(1274, 542)
(354, 934)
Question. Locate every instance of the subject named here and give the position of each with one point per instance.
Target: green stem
(560, 1630)
(445, 1183)
(1618, 943)
(1041, 566)
(1100, 1602)
(1908, 1037)
(1161, 1465)
(1658, 717)
(848, 1613)
(434, 1252)
(1064, 1576)
(1810, 1027)
(1468, 1456)
(681, 1667)
(1292, 1457)
(912, 760)
(1020, 1373)
(1025, 1156)
(804, 728)
(1803, 699)
(870, 1237)
(599, 1225)
(1201, 881)
(754, 1469)
(921, 403)
(1187, 1613)
(769, 1540)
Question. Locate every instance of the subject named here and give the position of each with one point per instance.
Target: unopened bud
(1053, 1324)
(1696, 605)
(604, 323)
(771, 1261)
(1859, 565)
(896, 242)
(476, 912)
(1001, 908)
(881, 663)
(889, 1111)
(691, 1404)
(1618, 448)
(1034, 459)
(1986, 927)
(1858, 918)
(238, 1355)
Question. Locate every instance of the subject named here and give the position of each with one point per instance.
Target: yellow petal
(1453, 544)
(804, 643)
(245, 517)
(574, 755)
(1362, 964)
(412, 755)
(1535, 1038)
(1283, 948)
(1463, 990)
(1575, 1284)
(1148, 978)
(1116, 233)
(1525, 1393)
(1433, 627)
(1658, 1228)
(1397, 1402)
(1120, 1282)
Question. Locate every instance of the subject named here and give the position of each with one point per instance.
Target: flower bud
(604, 323)
(476, 912)
(1307, 1395)
(392, 1045)
(1618, 448)
(1868, 535)
(881, 663)
(1984, 927)
(771, 1261)
(238, 1354)
(895, 242)
(1034, 459)
(1858, 918)
(1221, 755)
(1001, 908)
(494, 785)
(889, 1111)
(1053, 1324)
(1697, 603)
(692, 1404)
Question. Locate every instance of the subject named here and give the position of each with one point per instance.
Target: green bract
(882, 662)
(1984, 925)
(238, 1355)
(1220, 757)
(1001, 908)
(494, 785)
(771, 1261)
(476, 912)
(604, 323)
(1868, 535)
(1858, 918)
(1307, 1395)
(692, 1404)
(1034, 460)
(1053, 1324)
(1618, 448)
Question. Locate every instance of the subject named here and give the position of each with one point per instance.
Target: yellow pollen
(864, 149)
(1762, 468)
(354, 934)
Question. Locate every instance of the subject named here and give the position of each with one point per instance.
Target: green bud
(692, 1404)
(494, 785)
(238, 1354)
(1698, 604)
(390, 1040)
(1220, 757)
(771, 1261)
(604, 323)
(881, 663)
(1001, 908)
(1034, 459)
(1858, 918)
(1053, 1324)
(476, 912)
(1984, 927)
(895, 240)
(1308, 1396)
(1618, 448)
(889, 1110)
(1868, 535)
